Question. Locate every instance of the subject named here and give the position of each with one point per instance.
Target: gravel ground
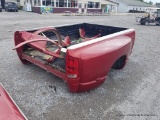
(129, 94)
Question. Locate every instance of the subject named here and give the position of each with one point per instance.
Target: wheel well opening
(120, 63)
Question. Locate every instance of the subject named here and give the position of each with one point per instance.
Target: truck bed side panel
(96, 59)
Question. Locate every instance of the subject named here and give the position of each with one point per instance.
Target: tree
(141, 0)
(151, 2)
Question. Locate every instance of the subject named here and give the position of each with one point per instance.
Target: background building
(127, 5)
(158, 5)
(60, 6)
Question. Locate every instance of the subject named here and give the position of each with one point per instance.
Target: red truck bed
(80, 54)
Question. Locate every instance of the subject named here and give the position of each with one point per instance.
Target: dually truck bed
(80, 54)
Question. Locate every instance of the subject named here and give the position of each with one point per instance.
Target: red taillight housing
(72, 67)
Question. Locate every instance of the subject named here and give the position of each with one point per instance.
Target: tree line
(150, 2)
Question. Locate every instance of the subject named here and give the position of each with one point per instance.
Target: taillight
(72, 67)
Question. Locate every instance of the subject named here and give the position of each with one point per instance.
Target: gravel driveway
(129, 94)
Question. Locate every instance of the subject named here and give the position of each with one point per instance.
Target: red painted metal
(92, 59)
(50, 29)
(95, 63)
(8, 109)
(39, 42)
(82, 35)
(41, 47)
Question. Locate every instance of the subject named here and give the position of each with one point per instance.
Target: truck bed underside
(58, 63)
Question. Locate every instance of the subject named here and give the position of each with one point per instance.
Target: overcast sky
(154, 1)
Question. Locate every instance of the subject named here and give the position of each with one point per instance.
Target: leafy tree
(151, 2)
(141, 0)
